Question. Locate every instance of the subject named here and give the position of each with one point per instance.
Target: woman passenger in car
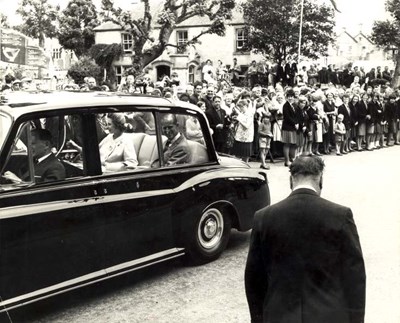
(117, 152)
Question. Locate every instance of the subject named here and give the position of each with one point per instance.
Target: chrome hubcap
(210, 229)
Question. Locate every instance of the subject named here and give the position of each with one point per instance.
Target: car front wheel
(210, 237)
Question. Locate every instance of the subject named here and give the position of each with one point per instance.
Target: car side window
(17, 168)
(129, 142)
(46, 149)
(185, 143)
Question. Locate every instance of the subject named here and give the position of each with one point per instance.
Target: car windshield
(5, 124)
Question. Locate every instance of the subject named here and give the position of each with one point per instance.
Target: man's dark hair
(183, 96)
(290, 93)
(42, 135)
(9, 79)
(307, 165)
(197, 83)
(167, 89)
(216, 97)
(169, 117)
(156, 92)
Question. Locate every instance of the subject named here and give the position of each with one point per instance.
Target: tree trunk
(41, 69)
(396, 76)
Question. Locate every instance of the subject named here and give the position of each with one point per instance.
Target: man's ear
(320, 183)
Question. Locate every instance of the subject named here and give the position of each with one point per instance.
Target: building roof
(350, 36)
(107, 26)
(362, 35)
(156, 6)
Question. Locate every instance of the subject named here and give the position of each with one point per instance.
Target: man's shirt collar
(309, 187)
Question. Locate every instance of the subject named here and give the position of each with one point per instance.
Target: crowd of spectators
(280, 111)
(288, 117)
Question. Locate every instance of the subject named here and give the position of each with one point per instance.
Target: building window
(191, 74)
(181, 39)
(127, 43)
(56, 53)
(119, 72)
(241, 39)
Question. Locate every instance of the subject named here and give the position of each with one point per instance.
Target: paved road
(368, 182)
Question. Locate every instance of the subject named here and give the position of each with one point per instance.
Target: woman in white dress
(277, 112)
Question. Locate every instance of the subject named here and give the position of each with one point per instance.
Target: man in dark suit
(47, 167)
(217, 119)
(176, 149)
(305, 262)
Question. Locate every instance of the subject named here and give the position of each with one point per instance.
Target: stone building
(187, 64)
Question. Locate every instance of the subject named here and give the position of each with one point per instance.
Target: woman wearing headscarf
(117, 152)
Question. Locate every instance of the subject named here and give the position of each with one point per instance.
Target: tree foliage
(273, 28)
(39, 19)
(386, 34)
(83, 68)
(149, 44)
(76, 25)
(4, 21)
(104, 55)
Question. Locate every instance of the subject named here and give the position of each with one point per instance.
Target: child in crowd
(265, 135)
(340, 131)
(202, 105)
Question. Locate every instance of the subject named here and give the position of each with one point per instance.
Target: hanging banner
(12, 54)
(12, 45)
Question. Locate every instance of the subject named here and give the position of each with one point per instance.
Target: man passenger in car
(176, 149)
(46, 165)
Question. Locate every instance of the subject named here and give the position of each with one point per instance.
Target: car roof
(19, 103)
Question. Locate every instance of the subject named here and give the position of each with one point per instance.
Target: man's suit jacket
(219, 135)
(177, 153)
(305, 263)
(48, 170)
(346, 116)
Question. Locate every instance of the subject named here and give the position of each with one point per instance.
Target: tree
(83, 68)
(39, 19)
(76, 26)
(386, 34)
(4, 21)
(104, 55)
(273, 28)
(149, 44)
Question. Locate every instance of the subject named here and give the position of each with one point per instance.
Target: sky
(353, 12)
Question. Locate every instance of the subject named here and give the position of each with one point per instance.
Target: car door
(51, 233)
(139, 209)
(136, 201)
